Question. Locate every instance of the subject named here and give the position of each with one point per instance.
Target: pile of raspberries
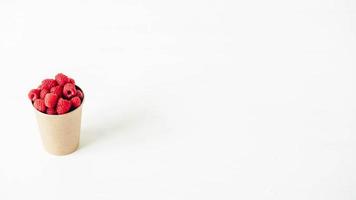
(56, 96)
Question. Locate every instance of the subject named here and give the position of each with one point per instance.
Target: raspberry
(48, 84)
(51, 111)
(76, 102)
(56, 96)
(62, 79)
(51, 100)
(43, 93)
(39, 104)
(34, 94)
(80, 94)
(71, 81)
(63, 106)
(69, 90)
(57, 90)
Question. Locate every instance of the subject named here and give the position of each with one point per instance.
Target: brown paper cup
(60, 133)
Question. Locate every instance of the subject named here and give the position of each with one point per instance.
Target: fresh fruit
(71, 81)
(39, 104)
(69, 90)
(43, 93)
(61, 79)
(56, 96)
(51, 100)
(48, 84)
(76, 102)
(80, 94)
(51, 111)
(34, 94)
(57, 90)
(63, 106)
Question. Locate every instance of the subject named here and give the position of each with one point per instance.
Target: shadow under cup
(60, 133)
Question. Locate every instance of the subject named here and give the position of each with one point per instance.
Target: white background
(184, 99)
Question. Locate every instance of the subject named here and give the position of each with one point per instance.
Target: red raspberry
(71, 81)
(39, 104)
(76, 102)
(69, 90)
(51, 111)
(51, 100)
(43, 93)
(80, 94)
(57, 90)
(34, 94)
(62, 79)
(48, 84)
(63, 106)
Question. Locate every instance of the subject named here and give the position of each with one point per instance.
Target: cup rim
(64, 113)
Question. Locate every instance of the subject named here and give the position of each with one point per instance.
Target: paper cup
(60, 133)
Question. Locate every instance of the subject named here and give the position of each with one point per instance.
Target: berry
(76, 102)
(61, 79)
(43, 93)
(69, 90)
(80, 94)
(56, 96)
(48, 84)
(51, 111)
(34, 94)
(51, 100)
(63, 106)
(39, 104)
(71, 81)
(57, 90)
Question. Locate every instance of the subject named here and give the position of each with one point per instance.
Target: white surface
(185, 99)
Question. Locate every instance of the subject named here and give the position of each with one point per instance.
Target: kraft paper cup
(60, 133)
